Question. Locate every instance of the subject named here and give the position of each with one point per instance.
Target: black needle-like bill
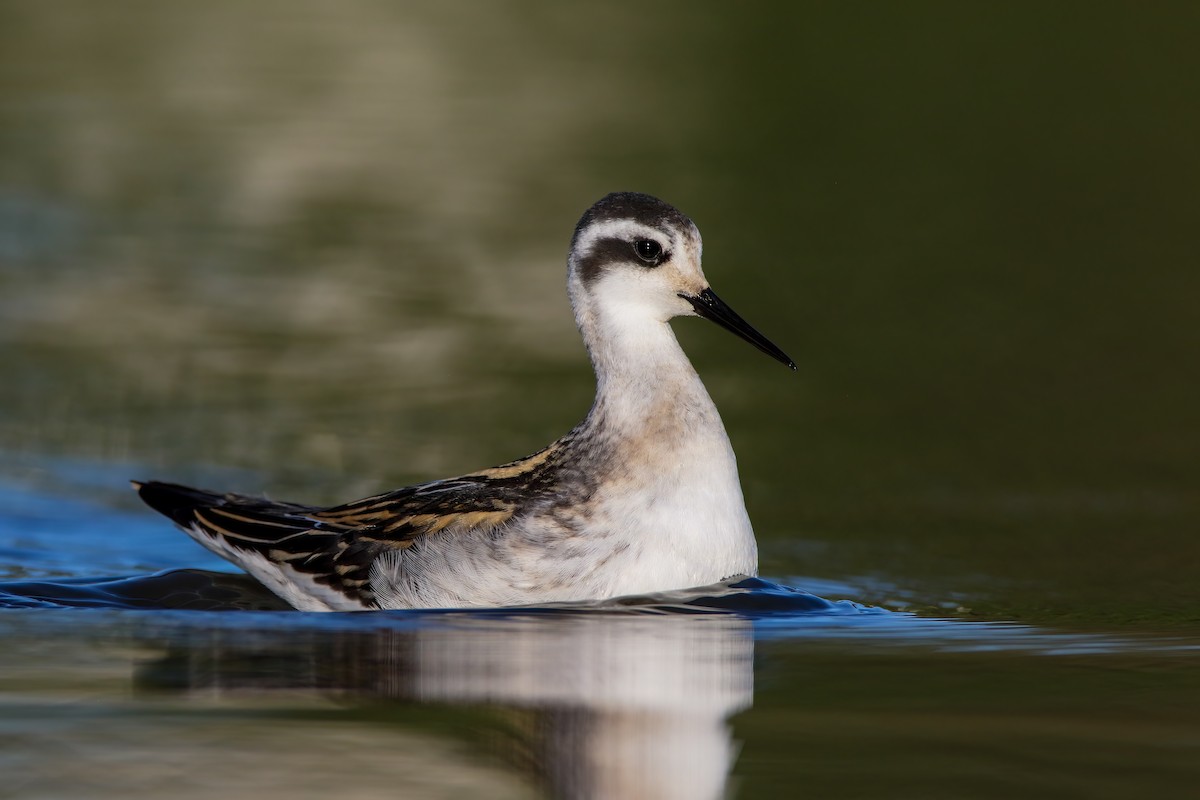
(709, 306)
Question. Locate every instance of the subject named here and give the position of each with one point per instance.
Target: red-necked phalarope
(642, 496)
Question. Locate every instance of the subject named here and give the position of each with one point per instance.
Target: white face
(634, 264)
(626, 266)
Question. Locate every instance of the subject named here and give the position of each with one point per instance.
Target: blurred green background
(324, 244)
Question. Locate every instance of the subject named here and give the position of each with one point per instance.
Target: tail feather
(291, 553)
(179, 503)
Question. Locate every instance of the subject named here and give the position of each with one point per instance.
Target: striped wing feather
(336, 546)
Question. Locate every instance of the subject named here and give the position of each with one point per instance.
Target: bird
(642, 496)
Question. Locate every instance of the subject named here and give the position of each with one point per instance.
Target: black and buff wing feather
(336, 546)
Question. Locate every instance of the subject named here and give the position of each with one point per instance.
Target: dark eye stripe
(612, 250)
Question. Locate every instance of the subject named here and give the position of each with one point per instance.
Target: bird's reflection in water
(606, 705)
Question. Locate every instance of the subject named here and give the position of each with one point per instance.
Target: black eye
(647, 250)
